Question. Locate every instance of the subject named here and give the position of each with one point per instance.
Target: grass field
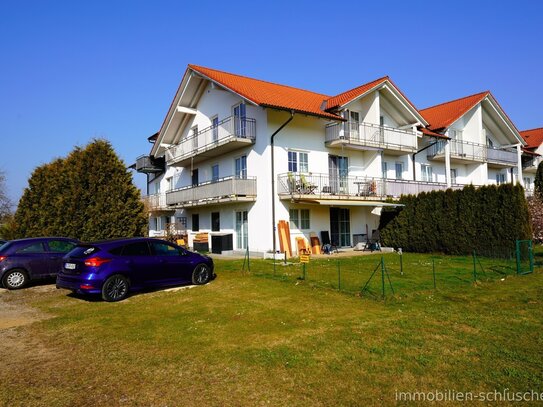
(250, 339)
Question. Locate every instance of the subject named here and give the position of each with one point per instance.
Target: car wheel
(115, 288)
(201, 274)
(15, 279)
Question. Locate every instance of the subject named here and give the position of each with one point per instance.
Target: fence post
(517, 244)
(303, 270)
(338, 275)
(401, 261)
(434, 271)
(383, 274)
(474, 266)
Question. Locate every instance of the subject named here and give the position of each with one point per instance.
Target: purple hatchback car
(24, 260)
(114, 268)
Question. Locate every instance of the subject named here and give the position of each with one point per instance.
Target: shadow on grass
(135, 293)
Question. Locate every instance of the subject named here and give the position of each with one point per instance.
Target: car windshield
(82, 251)
(5, 246)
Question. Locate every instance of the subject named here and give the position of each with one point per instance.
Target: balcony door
(340, 226)
(354, 125)
(240, 123)
(338, 170)
(241, 167)
(456, 142)
(242, 230)
(195, 177)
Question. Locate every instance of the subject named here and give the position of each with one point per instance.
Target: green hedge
(488, 220)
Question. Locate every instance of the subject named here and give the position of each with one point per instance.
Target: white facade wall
(307, 134)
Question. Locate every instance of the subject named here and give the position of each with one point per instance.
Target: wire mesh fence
(397, 274)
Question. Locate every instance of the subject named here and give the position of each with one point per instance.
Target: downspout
(420, 151)
(273, 177)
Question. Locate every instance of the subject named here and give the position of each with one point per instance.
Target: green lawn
(251, 339)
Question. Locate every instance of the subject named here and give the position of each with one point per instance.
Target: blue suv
(116, 267)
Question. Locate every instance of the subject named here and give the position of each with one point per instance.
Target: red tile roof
(533, 137)
(443, 115)
(346, 97)
(269, 94)
(431, 133)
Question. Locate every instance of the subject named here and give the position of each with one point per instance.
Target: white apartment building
(531, 156)
(235, 155)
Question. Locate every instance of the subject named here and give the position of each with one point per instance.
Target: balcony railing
(156, 202)
(469, 151)
(231, 129)
(371, 135)
(324, 186)
(221, 190)
(531, 163)
(148, 164)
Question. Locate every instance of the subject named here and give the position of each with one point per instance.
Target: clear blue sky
(71, 70)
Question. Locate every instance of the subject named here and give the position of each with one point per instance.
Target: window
(215, 128)
(240, 122)
(60, 246)
(489, 142)
(455, 134)
(297, 161)
(195, 138)
(304, 219)
(215, 221)
(182, 220)
(195, 222)
(299, 219)
(32, 248)
(136, 249)
(399, 170)
(426, 172)
(169, 181)
(384, 169)
(528, 183)
(500, 178)
(241, 167)
(293, 218)
(154, 222)
(157, 187)
(215, 172)
(454, 173)
(163, 249)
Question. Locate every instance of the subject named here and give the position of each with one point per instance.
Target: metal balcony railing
(531, 163)
(155, 202)
(371, 135)
(506, 156)
(227, 130)
(148, 164)
(324, 186)
(467, 150)
(223, 188)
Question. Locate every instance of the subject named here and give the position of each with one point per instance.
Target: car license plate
(69, 266)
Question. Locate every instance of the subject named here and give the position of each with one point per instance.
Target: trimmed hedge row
(488, 220)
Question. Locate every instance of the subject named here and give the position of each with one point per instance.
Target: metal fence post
(401, 261)
(303, 269)
(474, 266)
(338, 275)
(434, 271)
(517, 244)
(383, 274)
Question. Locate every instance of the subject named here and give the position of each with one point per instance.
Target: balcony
(325, 187)
(229, 189)
(530, 164)
(147, 164)
(366, 136)
(230, 134)
(156, 203)
(467, 151)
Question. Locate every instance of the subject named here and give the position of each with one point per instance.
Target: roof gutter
(272, 138)
(420, 151)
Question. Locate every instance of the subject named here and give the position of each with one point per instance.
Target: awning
(347, 202)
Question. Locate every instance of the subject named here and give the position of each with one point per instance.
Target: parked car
(2, 242)
(116, 267)
(24, 260)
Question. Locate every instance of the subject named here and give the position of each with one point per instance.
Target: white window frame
(213, 179)
(298, 162)
(400, 164)
(297, 220)
(427, 172)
